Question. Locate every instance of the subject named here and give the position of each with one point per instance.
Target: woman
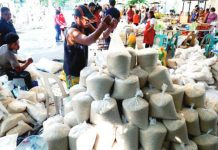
(136, 18)
(149, 31)
(212, 15)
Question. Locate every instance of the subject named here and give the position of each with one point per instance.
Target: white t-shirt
(152, 21)
(8, 59)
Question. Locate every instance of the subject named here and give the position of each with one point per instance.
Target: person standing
(149, 31)
(97, 15)
(6, 25)
(62, 21)
(57, 25)
(136, 18)
(130, 14)
(212, 15)
(207, 12)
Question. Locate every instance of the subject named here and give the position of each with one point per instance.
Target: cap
(82, 10)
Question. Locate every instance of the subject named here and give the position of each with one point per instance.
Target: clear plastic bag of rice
(208, 120)
(127, 137)
(105, 110)
(206, 142)
(142, 75)
(56, 136)
(136, 110)
(99, 84)
(52, 120)
(81, 106)
(153, 137)
(133, 54)
(194, 95)
(76, 89)
(192, 121)
(70, 119)
(162, 105)
(84, 73)
(148, 91)
(118, 63)
(82, 137)
(191, 146)
(177, 130)
(160, 76)
(124, 89)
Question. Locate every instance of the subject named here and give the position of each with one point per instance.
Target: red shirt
(130, 14)
(136, 18)
(97, 18)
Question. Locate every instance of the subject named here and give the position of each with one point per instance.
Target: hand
(107, 20)
(113, 23)
(30, 60)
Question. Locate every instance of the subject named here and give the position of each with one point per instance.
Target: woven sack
(141, 74)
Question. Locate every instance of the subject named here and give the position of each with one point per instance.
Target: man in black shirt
(6, 25)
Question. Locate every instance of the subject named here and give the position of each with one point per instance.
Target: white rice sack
(82, 137)
(81, 106)
(7, 101)
(52, 120)
(105, 110)
(206, 142)
(160, 76)
(127, 137)
(177, 130)
(191, 146)
(68, 106)
(118, 63)
(215, 67)
(28, 95)
(40, 93)
(142, 75)
(11, 121)
(20, 129)
(76, 89)
(132, 52)
(136, 111)
(70, 119)
(208, 120)
(49, 66)
(29, 119)
(210, 61)
(192, 121)
(84, 73)
(194, 95)
(178, 95)
(162, 106)
(16, 106)
(124, 89)
(147, 58)
(147, 92)
(153, 137)
(106, 134)
(56, 135)
(99, 84)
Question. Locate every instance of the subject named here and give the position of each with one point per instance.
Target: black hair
(92, 4)
(213, 9)
(151, 14)
(112, 2)
(4, 9)
(147, 9)
(57, 12)
(207, 10)
(137, 11)
(130, 6)
(97, 7)
(11, 37)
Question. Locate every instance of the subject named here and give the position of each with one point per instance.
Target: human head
(137, 11)
(57, 12)
(98, 8)
(12, 40)
(147, 9)
(151, 14)
(92, 7)
(130, 7)
(212, 9)
(82, 16)
(112, 3)
(5, 13)
(207, 10)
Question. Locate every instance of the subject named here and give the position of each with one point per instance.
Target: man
(6, 25)
(79, 36)
(130, 14)
(9, 64)
(92, 7)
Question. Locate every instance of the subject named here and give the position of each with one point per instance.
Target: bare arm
(24, 66)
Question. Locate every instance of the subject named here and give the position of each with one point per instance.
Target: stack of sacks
(214, 70)
(192, 66)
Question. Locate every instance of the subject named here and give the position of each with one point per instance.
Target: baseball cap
(82, 10)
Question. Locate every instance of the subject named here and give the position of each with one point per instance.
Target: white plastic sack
(49, 66)
(84, 73)
(70, 119)
(52, 120)
(20, 129)
(76, 89)
(40, 93)
(16, 106)
(8, 142)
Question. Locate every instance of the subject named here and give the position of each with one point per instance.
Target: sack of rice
(52, 120)
(162, 105)
(11, 121)
(119, 63)
(136, 110)
(132, 52)
(171, 63)
(177, 130)
(40, 93)
(82, 137)
(160, 76)
(7, 101)
(81, 106)
(16, 106)
(191, 146)
(68, 106)
(166, 145)
(206, 142)
(28, 95)
(147, 58)
(148, 91)
(105, 136)
(208, 120)
(105, 110)
(99, 84)
(127, 137)
(124, 89)
(142, 75)
(56, 136)
(76, 89)
(70, 119)
(153, 137)
(20, 129)
(29, 119)
(178, 95)
(215, 66)
(192, 121)
(194, 95)
(85, 73)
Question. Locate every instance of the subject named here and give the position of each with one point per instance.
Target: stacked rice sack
(214, 70)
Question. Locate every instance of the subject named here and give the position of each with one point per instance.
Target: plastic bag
(8, 142)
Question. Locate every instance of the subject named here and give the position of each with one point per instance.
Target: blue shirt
(5, 28)
(115, 13)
